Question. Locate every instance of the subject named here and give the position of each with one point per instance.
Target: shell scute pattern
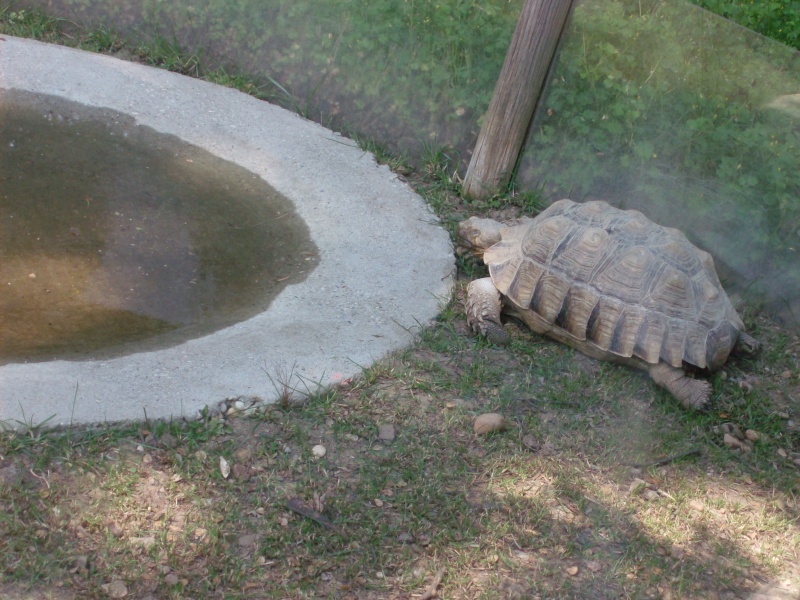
(672, 294)
(619, 281)
(603, 321)
(522, 281)
(577, 310)
(650, 337)
(543, 245)
(628, 276)
(549, 295)
(626, 332)
(581, 258)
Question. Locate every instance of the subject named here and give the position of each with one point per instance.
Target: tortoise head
(476, 235)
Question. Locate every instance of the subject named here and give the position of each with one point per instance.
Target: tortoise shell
(616, 280)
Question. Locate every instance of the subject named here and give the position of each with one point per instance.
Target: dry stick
(296, 505)
(663, 461)
(432, 590)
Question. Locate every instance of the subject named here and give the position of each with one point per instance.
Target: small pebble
(696, 505)
(733, 430)
(386, 432)
(239, 405)
(732, 443)
(115, 589)
(319, 451)
(489, 423)
(751, 435)
(636, 485)
(224, 467)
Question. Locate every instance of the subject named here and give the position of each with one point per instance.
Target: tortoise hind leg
(691, 393)
(483, 310)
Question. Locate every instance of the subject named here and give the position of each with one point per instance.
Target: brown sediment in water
(115, 238)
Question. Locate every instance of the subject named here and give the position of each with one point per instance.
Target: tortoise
(611, 284)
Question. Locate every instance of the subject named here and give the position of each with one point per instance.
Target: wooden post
(515, 95)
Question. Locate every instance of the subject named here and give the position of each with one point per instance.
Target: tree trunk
(515, 95)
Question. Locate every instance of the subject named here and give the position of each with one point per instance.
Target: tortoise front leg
(692, 393)
(746, 345)
(483, 310)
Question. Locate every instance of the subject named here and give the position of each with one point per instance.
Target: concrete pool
(382, 264)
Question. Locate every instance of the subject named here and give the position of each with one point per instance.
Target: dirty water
(116, 239)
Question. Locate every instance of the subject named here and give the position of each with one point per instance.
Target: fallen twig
(41, 477)
(433, 589)
(663, 461)
(297, 505)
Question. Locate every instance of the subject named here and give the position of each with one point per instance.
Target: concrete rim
(385, 265)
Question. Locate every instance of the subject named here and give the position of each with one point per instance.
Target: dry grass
(548, 508)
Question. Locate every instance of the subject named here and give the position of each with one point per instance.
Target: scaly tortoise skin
(611, 284)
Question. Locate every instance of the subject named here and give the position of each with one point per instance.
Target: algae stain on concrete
(116, 239)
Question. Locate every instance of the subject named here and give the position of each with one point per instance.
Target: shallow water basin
(115, 238)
